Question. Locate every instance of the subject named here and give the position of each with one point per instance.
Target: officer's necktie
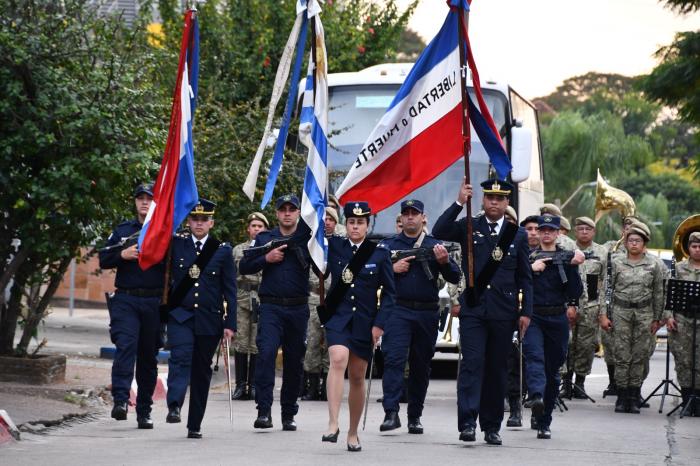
(492, 226)
(354, 248)
(198, 246)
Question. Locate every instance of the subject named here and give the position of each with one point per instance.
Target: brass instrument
(680, 238)
(608, 198)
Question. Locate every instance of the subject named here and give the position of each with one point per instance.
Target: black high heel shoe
(333, 438)
(356, 447)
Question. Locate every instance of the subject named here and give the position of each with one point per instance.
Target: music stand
(670, 298)
(683, 296)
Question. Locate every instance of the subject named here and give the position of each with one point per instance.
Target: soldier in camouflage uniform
(607, 337)
(244, 347)
(681, 329)
(637, 281)
(584, 336)
(316, 357)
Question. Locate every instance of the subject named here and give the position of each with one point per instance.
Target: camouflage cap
(564, 223)
(510, 212)
(694, 237)
(550, 209)
(587, 221)
(332, 213)
(258, 216)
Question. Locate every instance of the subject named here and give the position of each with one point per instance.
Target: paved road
(587, 434)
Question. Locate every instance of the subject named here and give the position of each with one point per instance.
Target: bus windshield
(355, 110)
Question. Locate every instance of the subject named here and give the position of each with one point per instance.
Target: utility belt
(298, 301)
(418, 305)
(141, 292)
(548, 310)
(630, 304)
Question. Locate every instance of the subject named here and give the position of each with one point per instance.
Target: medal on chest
(347, 275)
(194, 271)
(497, 254)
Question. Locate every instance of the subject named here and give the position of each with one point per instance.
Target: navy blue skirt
(361, 349)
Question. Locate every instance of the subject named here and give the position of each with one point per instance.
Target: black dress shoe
(333, 438)
(414, 426)
(239, 393)
(145, 422)
(492, 438)
(391, 421)
(194, 434)
(119, 411)
(533, 423)
(288, 423)
(356, 447)
(264, 420)
(173, 416)
(544, 433)
(468, 434)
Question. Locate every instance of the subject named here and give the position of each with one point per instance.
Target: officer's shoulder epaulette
(383, 245)
(225, 244)
(183, 234)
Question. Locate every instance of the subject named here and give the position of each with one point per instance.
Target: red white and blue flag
(420, 135)
(175, 190)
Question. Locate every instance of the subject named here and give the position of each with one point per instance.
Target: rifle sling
(491, 267)
(185, 285)
(335, 295)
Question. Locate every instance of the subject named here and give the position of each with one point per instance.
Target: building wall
(90, 286)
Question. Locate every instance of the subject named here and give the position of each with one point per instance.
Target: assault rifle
(124, 243)
(290, 241)
(560, 259)
(609, 288)
(422, 255)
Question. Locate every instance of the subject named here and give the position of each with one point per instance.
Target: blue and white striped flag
(313, 127)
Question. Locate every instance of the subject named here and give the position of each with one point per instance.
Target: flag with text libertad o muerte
(313, 125)
(420, 135)
(175, 190)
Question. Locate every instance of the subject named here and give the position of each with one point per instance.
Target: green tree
(675, 81)
(79, 121)
(575, 146)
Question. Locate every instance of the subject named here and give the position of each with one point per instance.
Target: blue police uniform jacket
(205, 300)
(359, 304)
(499, 301)
(288, 278)
(413, 285)
(549, 291)
(129, 274)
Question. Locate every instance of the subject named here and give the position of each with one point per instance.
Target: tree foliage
(79, 121)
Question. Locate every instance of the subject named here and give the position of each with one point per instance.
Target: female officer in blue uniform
(357, 324)
(547, 338)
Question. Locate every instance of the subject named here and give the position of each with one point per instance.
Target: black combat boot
(634, 399)
(612, 388)
(566, 391)
(264, 419)
(119, 410)
(391, 421)
(516, 418)
(579, 392)
(250, 393)
(241, 361)
(311, 393)
(620, 404)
